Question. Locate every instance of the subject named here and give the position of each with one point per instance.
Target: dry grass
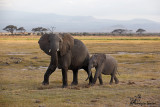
(23, 64)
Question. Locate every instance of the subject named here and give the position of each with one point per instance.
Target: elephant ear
(44, 43)
(100, 58)
(67, 43)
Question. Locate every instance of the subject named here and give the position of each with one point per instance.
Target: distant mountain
(73, 23)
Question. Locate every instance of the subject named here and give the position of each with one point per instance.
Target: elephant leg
(91, 77)
(64, 78)
(49, 71)
(111, 81)
(97, 73)
(75, 77)
(100, 79)
(116, 79)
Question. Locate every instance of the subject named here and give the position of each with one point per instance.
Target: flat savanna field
(23, 64)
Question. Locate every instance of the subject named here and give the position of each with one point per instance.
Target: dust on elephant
(104, 64)
(66, 53)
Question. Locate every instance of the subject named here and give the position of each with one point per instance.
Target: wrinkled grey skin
(66, 53)
(104, 64)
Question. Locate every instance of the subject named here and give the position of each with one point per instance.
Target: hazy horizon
(81, 15)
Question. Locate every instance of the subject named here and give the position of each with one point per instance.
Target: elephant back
(109, 65)
(80, 55)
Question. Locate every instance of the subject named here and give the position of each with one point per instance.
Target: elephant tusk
(49, 50)
(57, 50)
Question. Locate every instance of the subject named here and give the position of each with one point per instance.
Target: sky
(101, 9)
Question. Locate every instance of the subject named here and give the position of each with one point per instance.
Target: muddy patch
(121, 53)
(18, 53)
(132, 53)
(127, 53)
(34, 58)
(123, 63)
(131, 63)
(33, 68)
(138, 63)
(42, 67)
(11, 60)
(131, 82)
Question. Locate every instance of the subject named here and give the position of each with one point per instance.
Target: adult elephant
(66, 53)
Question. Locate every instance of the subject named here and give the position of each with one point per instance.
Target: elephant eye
(94, 62)
(60, 40)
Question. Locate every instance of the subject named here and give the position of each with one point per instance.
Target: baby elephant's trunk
(89, 73)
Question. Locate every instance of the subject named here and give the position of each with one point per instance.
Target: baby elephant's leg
(116, 79)
(100, 79)
(111, 81)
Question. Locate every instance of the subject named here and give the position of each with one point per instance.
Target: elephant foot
(111, 83)
(116, 82)
(91, 84)
(101, 83)
(64, 86)
(74, 83)
(45, 83)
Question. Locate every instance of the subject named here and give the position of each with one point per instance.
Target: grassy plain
(23, 64)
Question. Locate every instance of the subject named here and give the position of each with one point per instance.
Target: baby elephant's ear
(44, 44)
(67, 43)
(101, 58)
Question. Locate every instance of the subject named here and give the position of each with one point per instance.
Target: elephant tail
(118, 73)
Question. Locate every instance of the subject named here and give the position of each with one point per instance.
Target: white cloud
(5, 4)
(120, 9)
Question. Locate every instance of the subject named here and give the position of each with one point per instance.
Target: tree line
(12, 29)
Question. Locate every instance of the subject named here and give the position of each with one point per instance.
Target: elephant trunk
(54, 58)
(89, 72)
(97, 73)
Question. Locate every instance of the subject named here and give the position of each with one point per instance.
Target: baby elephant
(104, 64)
